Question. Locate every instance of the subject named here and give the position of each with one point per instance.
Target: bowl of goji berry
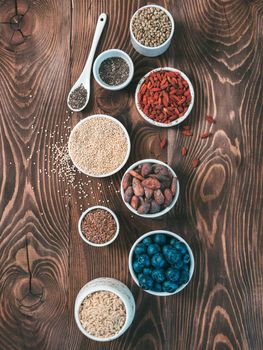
(164, 97)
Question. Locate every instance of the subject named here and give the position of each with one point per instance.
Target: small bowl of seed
(113, 69)
(104, 309)
(98, 226)
(151, 30)
(99, 145)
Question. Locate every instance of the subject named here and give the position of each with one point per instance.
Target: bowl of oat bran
(104, 309)
(99, 145)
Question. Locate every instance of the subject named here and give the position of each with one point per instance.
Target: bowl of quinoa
(99, 145)
(104, 309)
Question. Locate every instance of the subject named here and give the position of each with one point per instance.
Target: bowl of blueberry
(161, 263)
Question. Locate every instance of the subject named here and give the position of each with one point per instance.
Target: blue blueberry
(179, 264)
(153, 249)
(140, 249)
(173, 256)
(157, 287)
(186, 267)
(140, 275)
(173, 274)
(137, 267)
(145, 282)
(166, 248)
(147, 240)
(173, 241)
(160, 238)
(181, 247)
(158, 260)
(147, 271)
(158, 275)
(184, 277)
(169, 287)
(144, 260)
(186, 258)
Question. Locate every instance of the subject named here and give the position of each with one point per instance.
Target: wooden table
(44, 263)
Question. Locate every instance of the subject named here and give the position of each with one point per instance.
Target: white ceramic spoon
(84, 77)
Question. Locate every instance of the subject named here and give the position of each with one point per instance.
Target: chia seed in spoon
(78, 97)
(114, 71)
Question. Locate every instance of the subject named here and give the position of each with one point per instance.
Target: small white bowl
(157, 50)
(83, 216)
(176, 121)
(161, 213)
(128, 144)
(192, 262)
(111, 285)
(107, 54)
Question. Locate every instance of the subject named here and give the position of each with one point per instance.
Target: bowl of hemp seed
(99, 145)
(151, 30)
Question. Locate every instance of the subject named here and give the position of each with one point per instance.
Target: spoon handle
(98, 31)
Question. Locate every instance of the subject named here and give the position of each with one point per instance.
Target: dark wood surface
(43, 261)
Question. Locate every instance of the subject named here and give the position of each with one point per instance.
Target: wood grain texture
(44, 263)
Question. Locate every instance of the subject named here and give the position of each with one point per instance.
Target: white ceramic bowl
(111, 285)
(176, 121)
(192, 262)
(107, 54)
(152, 51)
(127, 137)
(156, 215)
(83, 216)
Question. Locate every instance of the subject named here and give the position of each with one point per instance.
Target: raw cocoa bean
(135, 201)
(151, 183)
(160, 169)
(168, 197)
(144, 208)
(155, 208)
(137, 187)
(146, 169)
(126, 182)
(148, 192)
(136, 175)
(158, 197)
(128, 194)
(174, 185)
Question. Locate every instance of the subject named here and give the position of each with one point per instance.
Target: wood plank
(33, 221)
(44, 262)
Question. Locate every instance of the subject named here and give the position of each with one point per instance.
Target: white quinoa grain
(98, 146)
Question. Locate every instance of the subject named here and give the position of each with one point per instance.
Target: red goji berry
(210, 119)
(195, 163)
(205, 135)
(184, 151)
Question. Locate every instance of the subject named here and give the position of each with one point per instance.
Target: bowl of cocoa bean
(150, 188)
(98, 226)
(164, 97)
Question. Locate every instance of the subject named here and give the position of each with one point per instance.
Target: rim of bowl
(164, 211)
(176, 121)
(83, 216)
(113, 53)
(150, 48)
(192, 264)
(99, 289)
(127, 138)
